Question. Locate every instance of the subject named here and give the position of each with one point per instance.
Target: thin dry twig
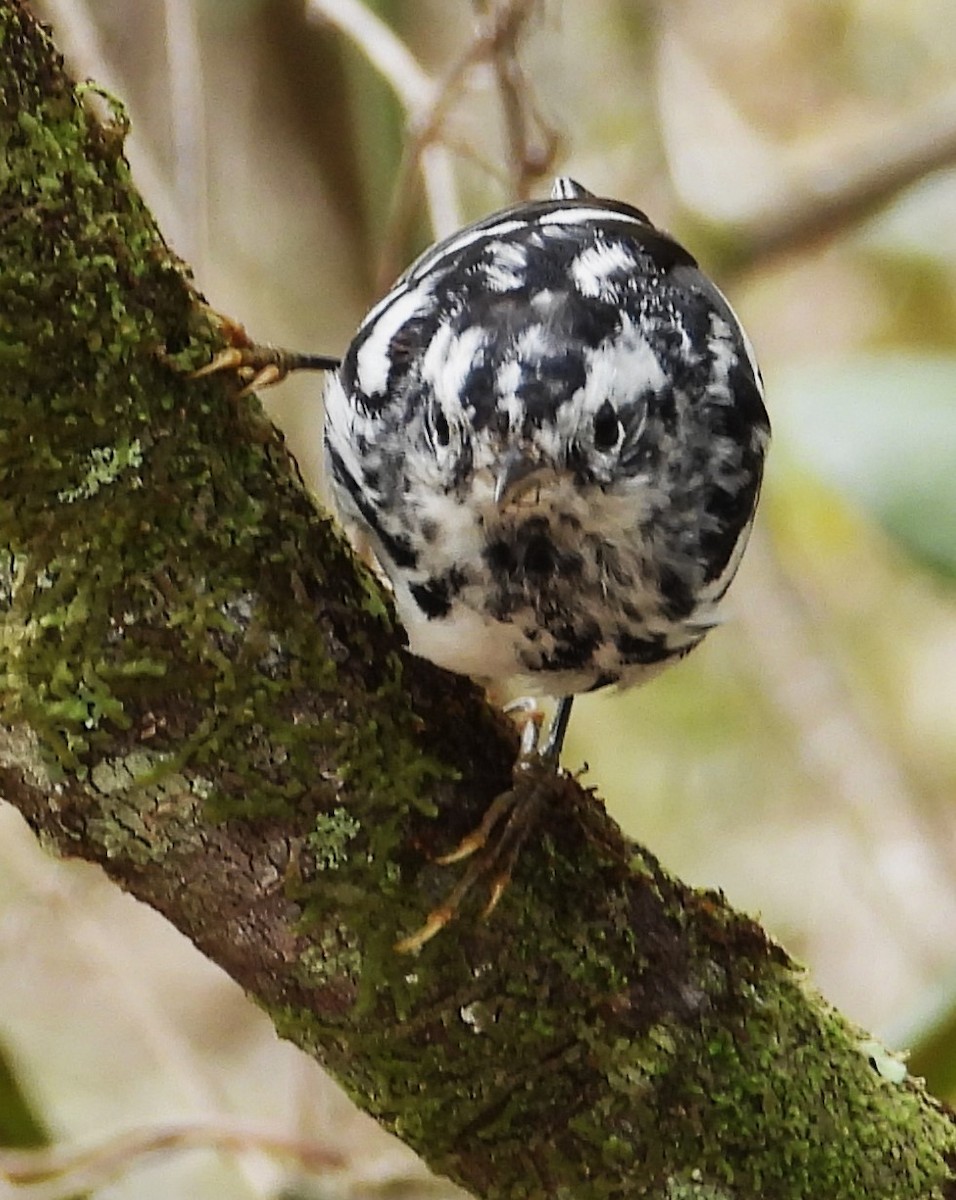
(496, 37)
(532, 142)
(56, 1172)
(428, 104)
(382, 47)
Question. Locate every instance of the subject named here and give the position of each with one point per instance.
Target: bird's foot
(256, 364)
(495, 845)
(493, 849)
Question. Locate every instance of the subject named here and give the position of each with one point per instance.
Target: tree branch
(204, 693)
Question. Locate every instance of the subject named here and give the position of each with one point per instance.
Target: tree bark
(205, 693)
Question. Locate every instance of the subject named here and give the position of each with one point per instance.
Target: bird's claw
(479, 837)
(245, 364)
(256, 364)
(493, 848)
(495, 845)
(435, 922)
(226, 360)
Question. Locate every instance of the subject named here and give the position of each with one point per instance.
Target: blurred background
(297, 153)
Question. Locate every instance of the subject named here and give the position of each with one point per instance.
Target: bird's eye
(607, 427)
(440, 426)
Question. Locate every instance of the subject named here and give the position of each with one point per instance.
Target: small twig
(495, 37)
(415, 89)
(56, 1172)
(383, 48)
(428, 102)
(424, 129)
(527, 161)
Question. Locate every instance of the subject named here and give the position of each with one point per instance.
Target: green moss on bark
(157, 527)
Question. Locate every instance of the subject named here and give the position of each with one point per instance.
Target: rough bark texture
(204, 693)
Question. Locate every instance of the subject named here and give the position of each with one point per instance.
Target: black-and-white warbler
(551, 431)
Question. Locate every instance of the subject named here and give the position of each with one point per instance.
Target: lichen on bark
(204, 692)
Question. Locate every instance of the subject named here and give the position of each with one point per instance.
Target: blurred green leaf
(921, 288)
(21, 1127)
(19, 1124)
(882, 429)
(931, 1037)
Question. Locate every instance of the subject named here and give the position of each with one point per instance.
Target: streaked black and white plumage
(552, 432)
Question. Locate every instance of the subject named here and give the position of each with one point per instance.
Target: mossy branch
(203, 692)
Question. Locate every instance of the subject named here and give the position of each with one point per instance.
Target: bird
(551, 432)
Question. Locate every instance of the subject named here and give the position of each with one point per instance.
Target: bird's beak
(517, 473)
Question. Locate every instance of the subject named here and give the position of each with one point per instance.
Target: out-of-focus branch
(381, 46)
(496, 36)
(833, 197)
(58, 1172)
(184, 65)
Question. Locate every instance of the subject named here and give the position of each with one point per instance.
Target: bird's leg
(554, 742)
(494, 847)
(531, 720)
(259, 365)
